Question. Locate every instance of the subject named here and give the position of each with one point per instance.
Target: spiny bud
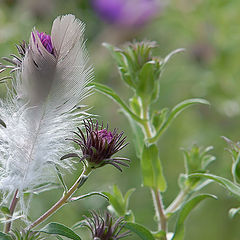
(105, 228)
(99, 144)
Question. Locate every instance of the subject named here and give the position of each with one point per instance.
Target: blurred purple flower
(127, 12)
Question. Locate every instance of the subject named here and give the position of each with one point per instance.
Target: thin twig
(62, 200)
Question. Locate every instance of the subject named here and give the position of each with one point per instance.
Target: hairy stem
(178, 201)
(157, 198)
(158, 204)
(63, 199)
(13, 205)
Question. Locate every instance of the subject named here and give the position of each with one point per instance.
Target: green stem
(157, 198)
(177, 201)
(158, 204)
(13, 205)
(63, 199)
(147, 125)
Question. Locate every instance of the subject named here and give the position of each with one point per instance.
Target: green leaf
(135, 105)
(138, 136)
(174, 113)
(5, 210)
(59, 229)
(171, 54)
(152, 168)
(110, 93)
(117, 193)
(125, 64)
(127, 196)
(60, 177)
(160, 235)
(88, 195)
(146, 81)
(4, 236)
(119, 204)
(159, 117)
(233, 211)
(79, 224)
(116, 203)
(129, 216)
(116, 52)
(230, 186)
(59, 238)
(184, 212)
(141, 231)
(236, 168)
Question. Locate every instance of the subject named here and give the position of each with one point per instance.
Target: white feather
(39, 115)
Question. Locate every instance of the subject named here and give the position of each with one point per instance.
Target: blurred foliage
(209, 68)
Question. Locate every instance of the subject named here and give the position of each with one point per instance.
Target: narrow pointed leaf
(138, 135)
(5, 210)
(60, 177)
(110, 93)
(174, 113)
(127, 196)
(142, 232)
(59, 229)
(171, 54)
(88, 195)
(152, 168)
(59, 238)
(79, 224)
(117, 193)
(116, 53)
(184, 212)
(236, 168)
(69, 155)
(229, 185)
(116, 203)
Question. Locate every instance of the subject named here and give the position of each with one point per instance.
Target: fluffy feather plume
(38, 112)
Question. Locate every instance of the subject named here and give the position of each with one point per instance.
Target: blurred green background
(209, 31)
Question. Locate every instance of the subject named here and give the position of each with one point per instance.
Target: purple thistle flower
(16, 61)
(99, 145)
(105, 228)
(127, 12)
(46, 41)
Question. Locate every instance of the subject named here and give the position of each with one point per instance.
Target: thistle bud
(139, 68)
(105, 228)
(99, 144)
(196, 160)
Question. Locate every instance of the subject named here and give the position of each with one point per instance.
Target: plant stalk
(157, 198)
(13, 205)
(177, 201)
(158, 204)
(62, 200)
